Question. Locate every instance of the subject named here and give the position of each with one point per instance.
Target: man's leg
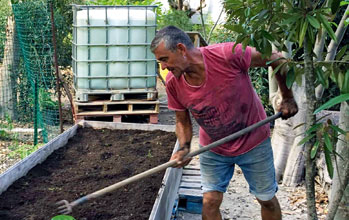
(270, 209)
(211, 203)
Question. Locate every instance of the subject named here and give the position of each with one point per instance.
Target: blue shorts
(257, 166)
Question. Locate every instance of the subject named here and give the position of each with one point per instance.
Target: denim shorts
(257, 166)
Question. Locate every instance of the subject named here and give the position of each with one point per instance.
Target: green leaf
(266, 47)
(328, 28)
(262, 13)
(332, 102)
(290, 77)
(313, 21)
(320, 76)
(236, 28)
(345, 85)
(341, 53)
(314, 150)
(272, 61)
(277, 69)
(313, 128)
(306, 139)
(335, 5)
(329, 163)
(328, 142)
(339, 130)
(302, 33)
(63, 217)
(267, 35)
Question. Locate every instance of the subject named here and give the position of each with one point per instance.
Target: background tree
(294, 26)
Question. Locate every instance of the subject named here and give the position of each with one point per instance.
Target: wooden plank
(111, 113)
(116, 102)
(191, 179)
(190, 185)
(127, 126)
(191, 172)
(193, 166)
(22, 167)
(190, 192)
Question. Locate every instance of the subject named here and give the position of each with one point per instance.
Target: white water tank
(111, 49)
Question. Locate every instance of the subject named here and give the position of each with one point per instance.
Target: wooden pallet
(190, 193)
(151, 118)
(117, 107)
(119, 95)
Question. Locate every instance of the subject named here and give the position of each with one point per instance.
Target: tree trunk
(7, 97)
(288, 156)
(339, 198)
(310, 120)
(294, 171)
(333, 46)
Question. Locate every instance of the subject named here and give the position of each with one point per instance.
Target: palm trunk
(310, 120)
(339, 199)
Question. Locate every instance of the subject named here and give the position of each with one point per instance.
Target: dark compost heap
(93, 159)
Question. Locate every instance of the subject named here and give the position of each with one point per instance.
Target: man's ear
(182, 48)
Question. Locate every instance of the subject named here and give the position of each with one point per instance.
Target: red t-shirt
(225, 103)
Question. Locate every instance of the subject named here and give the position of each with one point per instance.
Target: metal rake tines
(64, 207)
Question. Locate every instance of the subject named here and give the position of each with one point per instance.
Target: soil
(92, 160)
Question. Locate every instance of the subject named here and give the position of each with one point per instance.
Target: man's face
(173, 61)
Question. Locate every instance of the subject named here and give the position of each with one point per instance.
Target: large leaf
(341, 53)
(313, 21)
(304, 28)
(320, 76)
(328, 142)
(290, 77)
(329, 163)
(306, 139)
(332, 102)
(327, 26)
(339, 130)
(277, 69)
(345, 85)
(314, 149)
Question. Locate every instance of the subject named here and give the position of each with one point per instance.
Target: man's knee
(271, 205)
(212, 199)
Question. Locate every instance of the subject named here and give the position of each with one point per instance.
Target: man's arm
(288, 105)
(184, 134)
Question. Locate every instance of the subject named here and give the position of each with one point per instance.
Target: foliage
(5, 11)
(177, 18)
(63, 217)
(259, 79)
(21, 150)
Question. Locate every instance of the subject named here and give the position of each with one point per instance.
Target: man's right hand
(179, 156)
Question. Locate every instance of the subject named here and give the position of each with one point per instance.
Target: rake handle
(173, 162)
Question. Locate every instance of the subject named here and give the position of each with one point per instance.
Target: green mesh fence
(27, 77)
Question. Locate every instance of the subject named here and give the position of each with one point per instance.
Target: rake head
(64, 207)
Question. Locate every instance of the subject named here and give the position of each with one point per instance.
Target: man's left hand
(288, 107)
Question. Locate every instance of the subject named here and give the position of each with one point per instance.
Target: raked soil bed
(93, 159)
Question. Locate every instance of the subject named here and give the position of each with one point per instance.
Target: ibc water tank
(111, 49)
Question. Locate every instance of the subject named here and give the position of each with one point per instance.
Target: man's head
(170, 47)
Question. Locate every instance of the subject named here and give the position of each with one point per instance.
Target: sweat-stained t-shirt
(225, 103)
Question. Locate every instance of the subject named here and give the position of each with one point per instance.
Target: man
(213, 84)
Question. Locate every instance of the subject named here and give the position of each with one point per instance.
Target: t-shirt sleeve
(239, 58)
(172, 99)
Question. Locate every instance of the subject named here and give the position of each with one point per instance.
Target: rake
(65, 207)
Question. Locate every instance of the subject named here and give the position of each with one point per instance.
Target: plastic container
(111, 49)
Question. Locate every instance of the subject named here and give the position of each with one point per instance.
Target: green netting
(27, 78)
